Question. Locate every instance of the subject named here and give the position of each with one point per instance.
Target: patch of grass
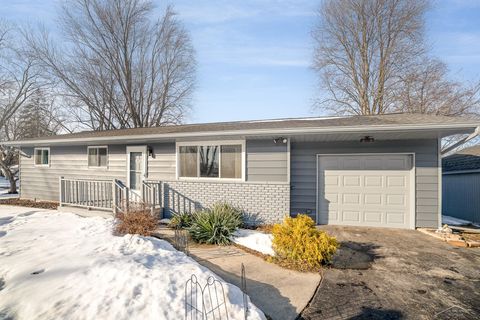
(30, 203)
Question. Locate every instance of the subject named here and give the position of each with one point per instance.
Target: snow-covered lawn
(56, 265)
(255, 240)
(4, 187)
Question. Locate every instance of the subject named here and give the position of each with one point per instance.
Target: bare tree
(362, 49)
(18, 81)
(426, 89)
(120, 69)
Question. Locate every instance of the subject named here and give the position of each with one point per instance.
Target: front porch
(111, 195)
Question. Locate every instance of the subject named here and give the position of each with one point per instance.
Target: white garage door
(365, 190)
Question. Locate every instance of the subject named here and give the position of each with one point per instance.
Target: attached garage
(375, 190)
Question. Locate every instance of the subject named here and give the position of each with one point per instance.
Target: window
(97, 156)
(210, 160)
(188, 161)
(42, 157)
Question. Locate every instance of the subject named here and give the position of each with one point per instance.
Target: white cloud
(221, 11)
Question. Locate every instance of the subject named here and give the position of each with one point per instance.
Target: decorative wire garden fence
(207, 302)
(244, 291)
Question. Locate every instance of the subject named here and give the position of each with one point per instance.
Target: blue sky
(254, 56)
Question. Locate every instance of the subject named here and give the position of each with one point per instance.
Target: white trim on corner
(439, 155)
(288, 160)
(35, 157)
(214, 143)
(97, 167)
(412, 194)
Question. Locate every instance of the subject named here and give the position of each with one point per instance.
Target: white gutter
(464, 140)
(269, 131)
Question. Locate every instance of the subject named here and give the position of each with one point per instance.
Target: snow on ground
(4, 186)
(255, 240)
(452, 221)
(84, 272)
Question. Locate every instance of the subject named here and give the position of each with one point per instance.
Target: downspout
(473, 135)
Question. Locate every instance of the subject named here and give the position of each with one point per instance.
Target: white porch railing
(110, 195)
(152, 193)
(92, 194)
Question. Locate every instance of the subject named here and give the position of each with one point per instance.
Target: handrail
(88, 193)
(110, 194)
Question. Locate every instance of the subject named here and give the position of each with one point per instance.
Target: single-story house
(461, 184)
(380, 171)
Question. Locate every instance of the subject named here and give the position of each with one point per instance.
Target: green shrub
(181, 220)
(298, 244)
(216, 224)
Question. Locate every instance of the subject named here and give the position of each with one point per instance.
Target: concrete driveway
(399, 274)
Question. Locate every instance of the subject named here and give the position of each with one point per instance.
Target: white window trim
(210, 143)
(35, 157)
(97, 167)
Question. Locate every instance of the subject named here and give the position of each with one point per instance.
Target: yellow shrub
(299, 244)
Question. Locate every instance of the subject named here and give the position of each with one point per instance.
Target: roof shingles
(394, 119)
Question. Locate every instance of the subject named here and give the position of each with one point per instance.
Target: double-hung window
(97, 156)
(42, 157)
(210, 160)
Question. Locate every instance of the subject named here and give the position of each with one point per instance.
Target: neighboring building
(461, 184)
(381, 171)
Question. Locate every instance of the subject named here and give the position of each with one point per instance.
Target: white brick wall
(262, 203)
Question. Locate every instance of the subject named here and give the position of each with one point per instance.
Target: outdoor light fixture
(367, 139)
(150, 151)
(280, 140)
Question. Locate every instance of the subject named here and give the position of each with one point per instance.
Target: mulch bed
(30, 203)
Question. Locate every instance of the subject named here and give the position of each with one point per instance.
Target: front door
(136, 167)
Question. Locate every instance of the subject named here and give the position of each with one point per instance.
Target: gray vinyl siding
(266, 161)
(303, 173)
(461, 196)
(162, 165)
(68, 161)
(72, 162)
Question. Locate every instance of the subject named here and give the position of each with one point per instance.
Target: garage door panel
(396, 217)
(351, 216)
(331, 198)
(396, 199)
(373, 181)
(373, 199)
(352, 181)
(369, 190)
(351, 198)
(331, 180)
(373, 216)
(396, 181)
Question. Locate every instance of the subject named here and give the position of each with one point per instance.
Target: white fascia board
(250, 132)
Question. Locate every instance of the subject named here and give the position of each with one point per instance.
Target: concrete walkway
(280, 293)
